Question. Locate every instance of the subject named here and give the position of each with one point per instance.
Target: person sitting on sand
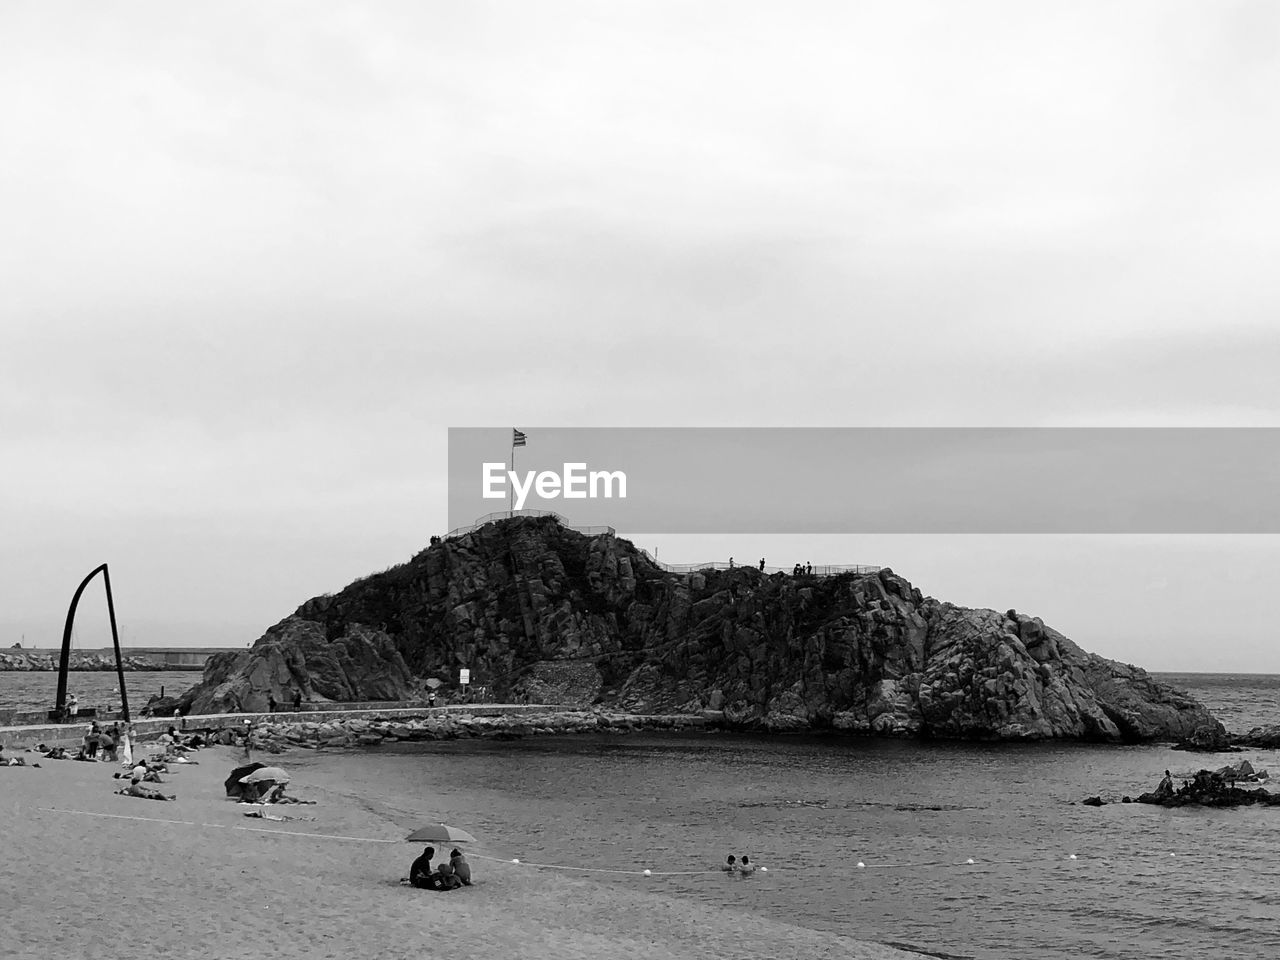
(730, 865)
(461, 869)
(746, 868)
(420, 874)
(136, 789)
(448, 880)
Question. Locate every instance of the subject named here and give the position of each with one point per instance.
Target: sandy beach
(93, 874)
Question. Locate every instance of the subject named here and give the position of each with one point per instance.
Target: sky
(257, 259)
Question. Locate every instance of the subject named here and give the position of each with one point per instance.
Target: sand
(196, 878)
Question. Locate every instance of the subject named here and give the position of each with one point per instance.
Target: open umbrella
(266, 773)
(440, 833)
(232, 783)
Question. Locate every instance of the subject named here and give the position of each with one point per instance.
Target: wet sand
(196, 878)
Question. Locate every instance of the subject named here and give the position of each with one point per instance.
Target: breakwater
(346, 728)
(346, 732)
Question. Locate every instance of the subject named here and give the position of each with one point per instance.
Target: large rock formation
(354, 662)
(531, 606)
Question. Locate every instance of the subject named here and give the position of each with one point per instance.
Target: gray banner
(875, 480)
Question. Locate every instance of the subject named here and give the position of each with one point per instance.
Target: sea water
(38, 689)
(1146, 881)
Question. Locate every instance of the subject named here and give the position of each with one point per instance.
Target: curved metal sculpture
(66, 643)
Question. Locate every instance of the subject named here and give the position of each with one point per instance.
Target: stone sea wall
(23, 660)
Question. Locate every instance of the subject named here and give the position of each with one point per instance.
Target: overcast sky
(257, 258)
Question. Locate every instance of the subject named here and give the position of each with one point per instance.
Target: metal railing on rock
(824, 570)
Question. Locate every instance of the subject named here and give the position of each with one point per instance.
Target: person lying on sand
(136, 789)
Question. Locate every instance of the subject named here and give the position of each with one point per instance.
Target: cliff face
(531, 607)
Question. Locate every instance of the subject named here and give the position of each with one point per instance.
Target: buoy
(514, 860)
(970, 860)
(764, 869)
(1173, 854)
(647, 873)
(861, 865)
(1072, 857)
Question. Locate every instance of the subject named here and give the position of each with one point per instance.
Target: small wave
(781, 802)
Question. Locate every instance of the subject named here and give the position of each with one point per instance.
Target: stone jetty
(355, 732)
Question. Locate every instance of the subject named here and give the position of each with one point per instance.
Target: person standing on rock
(762, 564)
(248, 736)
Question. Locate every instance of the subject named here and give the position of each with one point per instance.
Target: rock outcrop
(535, 610)
(352, 663)
(1210, 789)
(1264, 737)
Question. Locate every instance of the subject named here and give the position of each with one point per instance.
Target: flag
(517, 438)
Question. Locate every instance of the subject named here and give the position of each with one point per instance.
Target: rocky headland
(17, 659)
(541, 613)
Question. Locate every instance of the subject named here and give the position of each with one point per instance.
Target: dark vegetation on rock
(542, 612)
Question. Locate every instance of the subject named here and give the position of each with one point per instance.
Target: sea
(956, 849)
(38, 689)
